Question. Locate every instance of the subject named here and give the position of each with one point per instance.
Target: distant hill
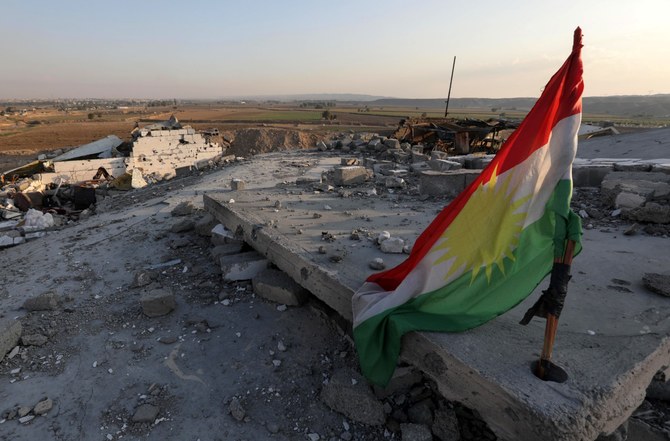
(623, 105)
(344, 97)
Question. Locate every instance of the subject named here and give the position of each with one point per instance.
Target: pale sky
(395, 48)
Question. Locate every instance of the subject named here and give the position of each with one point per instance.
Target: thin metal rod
(453, 66)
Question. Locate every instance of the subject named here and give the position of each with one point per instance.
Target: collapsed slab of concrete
(611, 356)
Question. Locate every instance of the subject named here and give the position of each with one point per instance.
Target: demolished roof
(102, 148)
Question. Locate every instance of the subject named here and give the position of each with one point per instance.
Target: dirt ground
(224, 365)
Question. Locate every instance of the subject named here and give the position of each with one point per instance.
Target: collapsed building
(156, 152)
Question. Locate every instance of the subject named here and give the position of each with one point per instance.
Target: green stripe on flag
(465, 303)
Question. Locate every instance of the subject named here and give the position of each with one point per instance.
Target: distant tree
(91, 116)
(326, 114)
(424, 114)
(99, 114)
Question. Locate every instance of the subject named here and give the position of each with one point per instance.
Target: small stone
(384, 235)
(272, 427)
(322, 250)
(43, 406)
(377, 264)
(143, 278)
(13, 353)
(168, 340)
(276, 363)
(236, 409)
(281, 347)
(631, 230)
(657, 283)
(394, 245)
(445, 424)
(421, 412)
(182, 226)
(33, 340)
(145, 413)
(15, 371)
(26, 419)
(23, 411)
(237, 184)
(415, 432)
(327, 207)
(281, 308)
(44, 302)
(157, 302)
(183, 209)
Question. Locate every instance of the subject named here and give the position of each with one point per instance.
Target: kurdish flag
(492, 245)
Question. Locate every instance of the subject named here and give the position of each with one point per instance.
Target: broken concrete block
(157, 302)
(445, 424)
(650, 186)
(244, 266)
(278, 287)
(658, 283)
(43, 406)
(33, 340)
(589, 175)
(436, 154)
(47, 301)
(448, 184)
(10, 333)
(394, 182)
(182, 226)
(419, 167)
(404, 378)
(183, 209)
(237, 184)
(632, 166)
(629, 200)
(444, 165)
(393, 245)
(419, 157)
(651, 212)
(348, 393)
(392, 143)
(222, 236)
(6, 241)
(143, 278)
(225, 250)
(321, 146)
(350, 175)
(145, 413)
(415, 432)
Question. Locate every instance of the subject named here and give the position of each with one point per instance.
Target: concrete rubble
(65, 187)
(301, 244)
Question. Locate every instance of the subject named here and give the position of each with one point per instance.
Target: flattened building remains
(388, 174)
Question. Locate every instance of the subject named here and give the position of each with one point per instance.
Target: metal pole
(446, 110)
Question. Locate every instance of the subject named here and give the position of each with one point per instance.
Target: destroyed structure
(156, 152)
(388, 190)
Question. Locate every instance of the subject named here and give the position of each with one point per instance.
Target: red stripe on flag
(560, 99)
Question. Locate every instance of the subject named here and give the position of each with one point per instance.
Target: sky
(393, 48)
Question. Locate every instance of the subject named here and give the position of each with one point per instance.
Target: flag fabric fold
(491, 246)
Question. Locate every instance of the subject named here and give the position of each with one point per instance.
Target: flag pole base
(545, 370)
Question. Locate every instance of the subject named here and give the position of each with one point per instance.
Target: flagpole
(453, 66)
(544, 365)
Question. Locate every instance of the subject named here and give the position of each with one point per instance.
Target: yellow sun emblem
(485, 232)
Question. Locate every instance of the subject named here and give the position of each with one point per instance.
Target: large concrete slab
(612, 336)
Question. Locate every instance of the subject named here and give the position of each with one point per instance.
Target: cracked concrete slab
(612, 338)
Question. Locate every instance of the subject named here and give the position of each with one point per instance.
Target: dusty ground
(224, 365)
